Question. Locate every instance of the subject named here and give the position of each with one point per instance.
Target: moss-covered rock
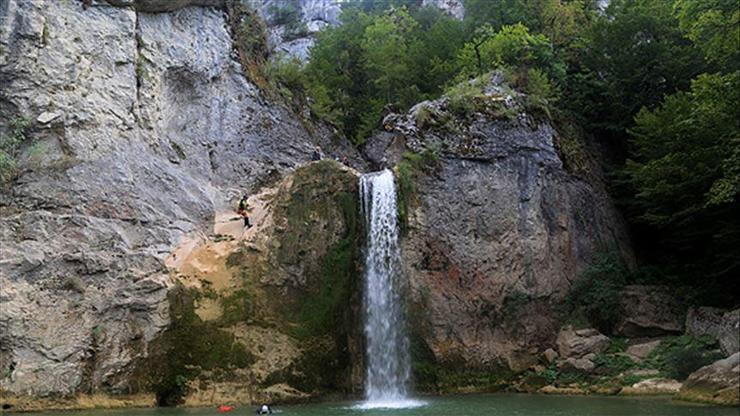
(269, 312)
(187, 349)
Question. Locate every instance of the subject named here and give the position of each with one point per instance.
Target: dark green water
(482, 405)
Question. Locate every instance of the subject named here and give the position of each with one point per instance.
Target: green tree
(373, 60)
(686, 178)
(512, 47)
(714, 26)
(635, 55)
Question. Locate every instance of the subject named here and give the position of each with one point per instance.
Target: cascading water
(387, 346)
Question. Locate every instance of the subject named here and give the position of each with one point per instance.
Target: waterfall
(387, 346)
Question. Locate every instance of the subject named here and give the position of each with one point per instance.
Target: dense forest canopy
(655, 82)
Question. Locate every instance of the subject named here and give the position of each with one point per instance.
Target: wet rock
(639, 352)
(650, 311)
(578, 343)
(653, 386)
(281, 393)
(562, 390)
(717, 383)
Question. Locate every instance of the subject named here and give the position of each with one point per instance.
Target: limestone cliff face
(497, 228)
(124, 270)
(143, 129)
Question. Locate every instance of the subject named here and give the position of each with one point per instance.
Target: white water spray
(387, 348)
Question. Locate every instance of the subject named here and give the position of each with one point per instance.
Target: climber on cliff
(242, 210)
(316, 155)
(264, 410)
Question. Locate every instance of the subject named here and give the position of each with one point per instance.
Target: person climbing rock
(264, 410)
(242, 210)
(316, 155)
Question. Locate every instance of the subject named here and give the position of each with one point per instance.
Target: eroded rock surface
(148, 128)
(650, 311)
(497, 228)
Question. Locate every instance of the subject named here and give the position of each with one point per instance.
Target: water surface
(478, 405)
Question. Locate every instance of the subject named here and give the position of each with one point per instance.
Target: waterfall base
(400, 403)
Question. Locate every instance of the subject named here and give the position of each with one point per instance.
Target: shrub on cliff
(595, 294)
(10, 144)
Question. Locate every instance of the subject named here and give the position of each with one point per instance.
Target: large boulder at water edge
(649, 311)
(717, 383)
(577, 343)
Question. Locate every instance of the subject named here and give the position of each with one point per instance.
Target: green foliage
(372, 60)
(512, 46)
(613, 364)
(680, 356)
(686, 176)
(714, 26)
(10, 144)
(635, 55)
(250, 41)
(595, 294)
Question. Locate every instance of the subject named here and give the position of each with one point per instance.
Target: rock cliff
(497, 227)
(143, 130)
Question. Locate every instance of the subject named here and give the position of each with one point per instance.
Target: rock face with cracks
(496, 228)
(148, 128)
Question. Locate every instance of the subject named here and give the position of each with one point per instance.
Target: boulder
(649, 311)
(578, 343)
(578, 365)
(550, 355)
(653, 386)
(717, 383)
(722, 325)
(639, 352)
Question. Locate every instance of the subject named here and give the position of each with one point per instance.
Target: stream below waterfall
(470, 405)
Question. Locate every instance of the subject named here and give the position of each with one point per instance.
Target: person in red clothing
(242, 210)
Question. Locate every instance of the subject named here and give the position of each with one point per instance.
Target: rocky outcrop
(639, 352)
(649, 311)
(581, 342)
(724, 326)
(293, 24)
(717, 383)
(496, 227)
(148, 130)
